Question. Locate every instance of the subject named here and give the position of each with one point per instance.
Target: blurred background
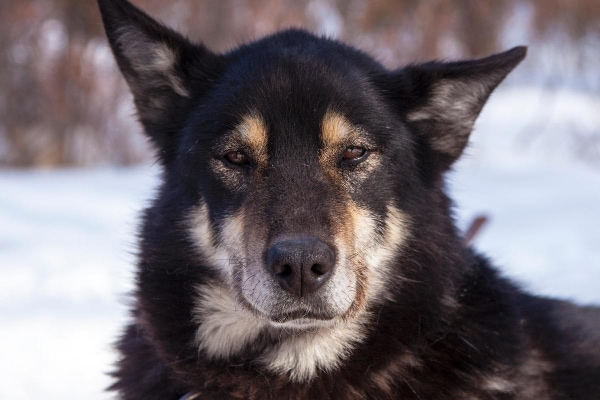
(62, 104)
(75, 168)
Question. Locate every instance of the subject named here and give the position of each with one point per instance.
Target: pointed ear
(441, 101)
(161, 67)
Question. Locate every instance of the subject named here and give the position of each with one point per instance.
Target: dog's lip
(304, 323)
(300, 317)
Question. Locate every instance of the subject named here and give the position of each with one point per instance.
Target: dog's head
(297, 169)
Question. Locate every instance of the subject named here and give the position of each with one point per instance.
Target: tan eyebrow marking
(335, 128)
(336, 132)
(253, 131)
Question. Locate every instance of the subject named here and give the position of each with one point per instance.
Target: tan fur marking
(251, 136)
(223, 253)
(359, 222)
(335, 129)
(376, 252)
(337, 133)
(366, 254)
(253, 131)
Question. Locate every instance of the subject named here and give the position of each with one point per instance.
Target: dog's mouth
(280, 310)
(304, 323)
(301, 316)
(283, 313)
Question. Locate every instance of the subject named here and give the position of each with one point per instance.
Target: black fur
(470, 333)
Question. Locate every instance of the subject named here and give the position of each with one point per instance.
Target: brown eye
(237, 158)
(354, 153)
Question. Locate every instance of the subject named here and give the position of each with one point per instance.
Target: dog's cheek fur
(373, 243)
(225, 327)
(222, 249)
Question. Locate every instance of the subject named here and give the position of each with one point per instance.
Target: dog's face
(295, 175)
(297, 171)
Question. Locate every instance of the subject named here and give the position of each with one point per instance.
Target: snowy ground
(66, 238)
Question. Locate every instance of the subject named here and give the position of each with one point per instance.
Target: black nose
(301, 265)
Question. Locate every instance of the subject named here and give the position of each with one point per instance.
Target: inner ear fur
(441, 100)
(162, 68)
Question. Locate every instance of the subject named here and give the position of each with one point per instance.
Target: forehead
(293, 92)
(298, 103)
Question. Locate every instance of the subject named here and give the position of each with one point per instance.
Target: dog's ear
(163, 69)
(442, 100)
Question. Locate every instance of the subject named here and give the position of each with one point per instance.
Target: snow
(66, 251)
(67, 240)
(543, 228)
(542, 193)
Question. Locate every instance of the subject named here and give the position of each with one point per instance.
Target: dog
(301, 244)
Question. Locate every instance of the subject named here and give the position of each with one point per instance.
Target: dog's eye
(352, 156)
(237, 158)
(353, 153)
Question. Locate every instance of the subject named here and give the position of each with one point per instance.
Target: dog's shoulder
(564, 345)
(569, 332)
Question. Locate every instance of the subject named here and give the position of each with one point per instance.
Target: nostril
(318, 269)
(283, 271)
